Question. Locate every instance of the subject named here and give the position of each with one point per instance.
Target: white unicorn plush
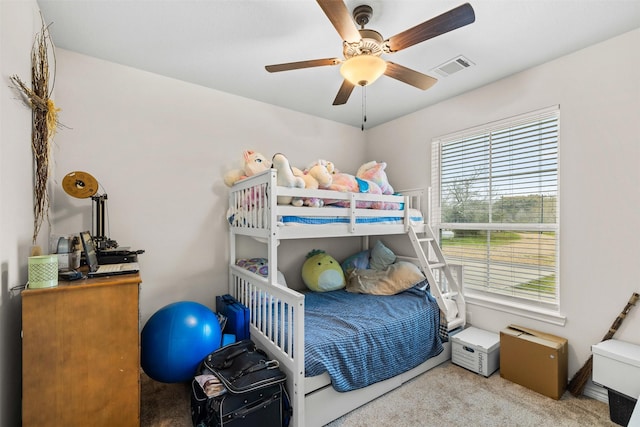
(254, 163)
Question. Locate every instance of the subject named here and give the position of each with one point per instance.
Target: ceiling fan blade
(340, 17)
(343, 93)
(448, 21)
(302, 64)
(409, 76)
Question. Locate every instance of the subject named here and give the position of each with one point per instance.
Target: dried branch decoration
(45, 122)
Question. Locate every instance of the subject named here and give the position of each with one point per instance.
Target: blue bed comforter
(362, 339)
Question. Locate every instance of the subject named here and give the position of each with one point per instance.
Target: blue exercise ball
(176, 339)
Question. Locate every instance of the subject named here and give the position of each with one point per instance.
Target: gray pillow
(381, 256)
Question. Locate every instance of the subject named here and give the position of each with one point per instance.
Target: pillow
(260, 266)
(255, 265)
(381, 256)
(394, 279)
(359, 261)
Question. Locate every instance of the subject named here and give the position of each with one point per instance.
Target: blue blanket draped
(362, 339)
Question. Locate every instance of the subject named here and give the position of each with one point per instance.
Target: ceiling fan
(362, 48)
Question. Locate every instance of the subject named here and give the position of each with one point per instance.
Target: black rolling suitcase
(239, 386)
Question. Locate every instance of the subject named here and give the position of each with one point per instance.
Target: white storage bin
(616, 365)
(477, 350)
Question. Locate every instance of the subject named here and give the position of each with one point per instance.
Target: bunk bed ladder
(445, 286)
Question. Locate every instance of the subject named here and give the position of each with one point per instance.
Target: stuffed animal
(348, 183)
(329, 166)
(330, 178)
(322, 273)
(333, 179)
(254, 163)
(317, 176)
(286, 178)
(309, 180)
(310, 183)
(374, 171)
(322, 174)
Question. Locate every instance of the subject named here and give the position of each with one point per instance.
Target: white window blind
(495, 206)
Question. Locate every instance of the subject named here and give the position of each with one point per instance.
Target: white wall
(160, 147)
(19, 22)
(599, 97)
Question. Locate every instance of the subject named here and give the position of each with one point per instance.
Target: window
(495, 208)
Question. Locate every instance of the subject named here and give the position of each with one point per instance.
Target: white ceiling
(225, 44)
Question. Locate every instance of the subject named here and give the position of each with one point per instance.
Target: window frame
(548, 311)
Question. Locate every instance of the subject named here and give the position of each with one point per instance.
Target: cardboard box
(477, 350)
(534, 359)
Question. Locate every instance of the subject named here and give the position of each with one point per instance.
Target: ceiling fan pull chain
(364, 107)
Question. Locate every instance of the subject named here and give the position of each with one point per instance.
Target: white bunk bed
(277, 312)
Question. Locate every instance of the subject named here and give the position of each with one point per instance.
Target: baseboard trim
(596, 392)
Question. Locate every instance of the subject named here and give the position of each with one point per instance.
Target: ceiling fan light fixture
(362, 70)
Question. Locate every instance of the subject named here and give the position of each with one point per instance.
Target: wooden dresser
(81, 353)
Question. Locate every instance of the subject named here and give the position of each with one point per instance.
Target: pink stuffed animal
(346, 183)
(374, 171)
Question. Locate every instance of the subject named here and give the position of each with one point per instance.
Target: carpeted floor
(448, 395)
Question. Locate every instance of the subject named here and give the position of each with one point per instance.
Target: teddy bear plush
(329, 166)
(286, 178)
(330, 178)
(254, 163)
(315, 177)
(322, 174)
(310, 183)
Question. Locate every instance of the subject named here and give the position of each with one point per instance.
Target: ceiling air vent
(453, 66)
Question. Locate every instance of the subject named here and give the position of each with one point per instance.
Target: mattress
(415, 217)
(384, 337)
